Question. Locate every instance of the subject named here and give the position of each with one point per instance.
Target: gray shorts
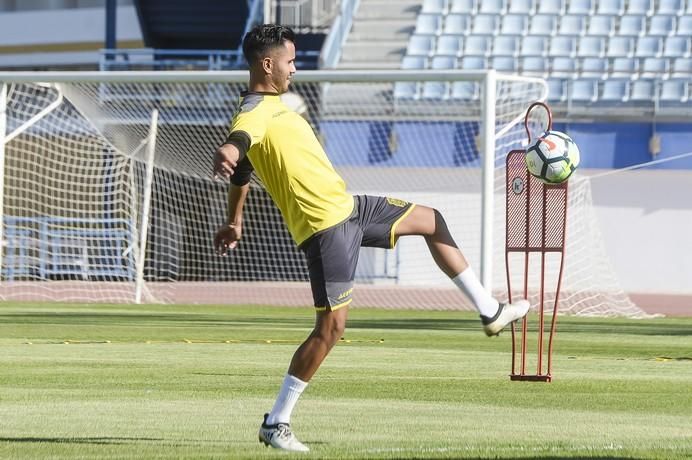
(332, 254)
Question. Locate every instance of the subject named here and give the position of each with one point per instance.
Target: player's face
(283, 66)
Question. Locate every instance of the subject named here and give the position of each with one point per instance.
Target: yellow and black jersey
(292, 165)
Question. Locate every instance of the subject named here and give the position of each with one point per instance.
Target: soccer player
(326, 222)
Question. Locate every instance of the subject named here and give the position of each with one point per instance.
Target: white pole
(488, 175)
(146, 205)
(3, 131)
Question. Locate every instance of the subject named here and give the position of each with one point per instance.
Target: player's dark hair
(261, 39)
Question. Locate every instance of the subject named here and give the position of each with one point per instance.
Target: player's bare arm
(228, 235)
(225, 160)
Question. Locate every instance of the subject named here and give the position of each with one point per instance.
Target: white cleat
(507, 313)
(280, 436)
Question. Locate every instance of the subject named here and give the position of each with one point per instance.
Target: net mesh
(75, 174)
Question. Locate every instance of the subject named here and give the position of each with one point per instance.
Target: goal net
(108, 194)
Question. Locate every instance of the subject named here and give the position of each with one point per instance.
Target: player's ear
(267, 65)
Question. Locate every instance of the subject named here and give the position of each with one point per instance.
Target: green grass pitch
(192, 382)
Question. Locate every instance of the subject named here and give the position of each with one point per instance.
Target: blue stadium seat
(562, 46)
(611, 7)
(414, 62)
(654, 68)
(688, 9)
(543, 25)
(429, 24)
(504, 64)
(563, 68)
(675, 91)
(620, 47)
(572, 25)
(678, 46)
(593, 68)
(662, 25)
(533, 46)
(685, 26)
(632, 26)
(406, 90)
(465, 90)
(534, 66)
(420, 45)
(514, 24)
(434, 6)
(624, 67)
(648, 47)
(473, 63)
(449, 45)
(583, 91)
(556, 7)
(556, 90)
(439, 89)
(505, 45)
(477, 45)
(615, 90)
(457, 24)
(586, 7)
(463, 6)
(642, 7)
(492, 7)
(642, 90)
(591, 46)
(672, 7)
(443, 62)
(601, 26)
(525, 7)
(485, 24)
(681, 68)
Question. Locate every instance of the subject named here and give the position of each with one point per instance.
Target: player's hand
(227, 238)
(225, 161)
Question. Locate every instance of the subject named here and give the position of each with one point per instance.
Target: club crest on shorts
(397, 202)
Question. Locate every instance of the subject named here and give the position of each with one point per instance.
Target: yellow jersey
(292, 166)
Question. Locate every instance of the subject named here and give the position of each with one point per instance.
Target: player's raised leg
(430, 224)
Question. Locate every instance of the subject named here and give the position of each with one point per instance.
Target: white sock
(474, 290)
(291, 389)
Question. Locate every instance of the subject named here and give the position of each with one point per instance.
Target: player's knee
(332, 327)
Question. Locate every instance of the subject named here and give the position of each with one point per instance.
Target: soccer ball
(553, 157)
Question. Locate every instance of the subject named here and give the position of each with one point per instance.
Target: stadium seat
(591, 47)
(504, 64)
(681, 68)
(685, 26)
(406, 90)
(624, 67)
(562, 46)
(585, 7)
(572, 25)
(525, 7)
(477, 45)
(648, 47)
(556, 7)
(420, 45)
(438, 89)
(492, 7)
(611, 7)
(632, 26)
(485, 24)
(583, 91)
(457, 24)
(674, 90)
(505, 45)
(620, 47)
(563, 67)
(601, 26)
(533, 46)
(662, 26)
(434, 6)
(593, 68)
(514, 24)
(556, 90)
(534, 66)
(463, 6)
(641, 7)
(672, 7)
(543, 25)
(642, 90)
(678, 46)
(654, 68)
(449, 45)
(473, 63)
(615, 90)
(429, 24)
(465, 90)
(414, 62)
(443, 62)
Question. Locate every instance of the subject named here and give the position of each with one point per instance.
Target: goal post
(75, 182)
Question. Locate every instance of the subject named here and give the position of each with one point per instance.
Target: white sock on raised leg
(469, 284)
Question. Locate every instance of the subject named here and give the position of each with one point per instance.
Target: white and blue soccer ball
(553, 157)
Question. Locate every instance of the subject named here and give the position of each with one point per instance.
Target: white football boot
(280, 436)
(507, 313)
